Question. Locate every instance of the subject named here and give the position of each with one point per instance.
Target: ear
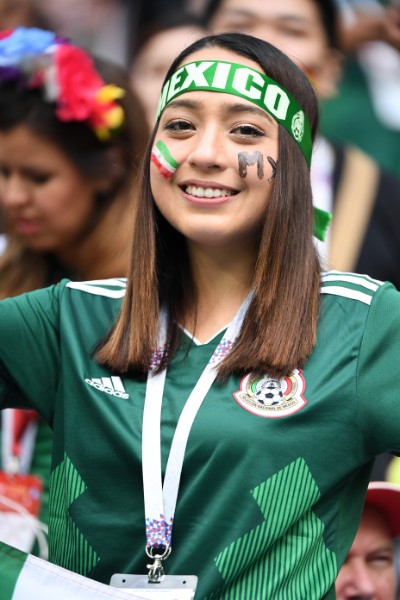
(326, 79)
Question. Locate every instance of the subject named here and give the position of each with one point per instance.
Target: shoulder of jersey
(349, 285)
(110, 288)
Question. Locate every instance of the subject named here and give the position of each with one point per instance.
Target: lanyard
(160, 500)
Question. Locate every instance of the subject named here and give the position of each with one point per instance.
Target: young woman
(226, 424)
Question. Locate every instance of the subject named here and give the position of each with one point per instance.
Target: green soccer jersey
(274, 472)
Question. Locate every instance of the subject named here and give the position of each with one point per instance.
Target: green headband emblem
(247, 83)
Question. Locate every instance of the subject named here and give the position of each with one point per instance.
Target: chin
(39, 245)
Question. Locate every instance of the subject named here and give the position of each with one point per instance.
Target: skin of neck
(222, 278)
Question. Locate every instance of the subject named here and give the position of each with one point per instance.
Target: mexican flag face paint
(163, 160)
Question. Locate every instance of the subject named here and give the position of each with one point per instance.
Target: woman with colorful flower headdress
(70, 145)
(71, 138)
(216, 417)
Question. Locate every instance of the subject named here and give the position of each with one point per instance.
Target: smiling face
(293, 26)
(369, 570)
(47, 201)
(225, 148)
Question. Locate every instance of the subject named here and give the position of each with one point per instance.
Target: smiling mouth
(207, 192)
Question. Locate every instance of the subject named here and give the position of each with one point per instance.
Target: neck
(222, 281)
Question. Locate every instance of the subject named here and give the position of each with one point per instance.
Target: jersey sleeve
(30, 350)
(378, 373)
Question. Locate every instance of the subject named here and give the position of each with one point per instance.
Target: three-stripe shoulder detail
(110, 288)
(349, 285)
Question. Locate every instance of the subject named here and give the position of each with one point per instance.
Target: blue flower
(22, 42)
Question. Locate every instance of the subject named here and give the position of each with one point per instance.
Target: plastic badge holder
(172, 587)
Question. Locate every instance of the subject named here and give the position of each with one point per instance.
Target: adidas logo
(109, 385)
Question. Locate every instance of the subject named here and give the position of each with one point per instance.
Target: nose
(208, 150)
(13, 191)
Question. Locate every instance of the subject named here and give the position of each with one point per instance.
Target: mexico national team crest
(272, 398)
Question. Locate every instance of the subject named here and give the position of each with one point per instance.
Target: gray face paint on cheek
(247, 160)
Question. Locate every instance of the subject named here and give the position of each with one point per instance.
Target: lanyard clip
(156, 570)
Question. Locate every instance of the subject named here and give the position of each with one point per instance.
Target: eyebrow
(237, 108)
(384, 547)
(244, 108)
(181, 104)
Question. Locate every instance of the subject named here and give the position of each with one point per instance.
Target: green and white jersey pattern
(274, 472)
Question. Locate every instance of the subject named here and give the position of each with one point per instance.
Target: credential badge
(272, 398)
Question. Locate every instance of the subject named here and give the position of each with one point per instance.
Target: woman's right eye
(178, 125)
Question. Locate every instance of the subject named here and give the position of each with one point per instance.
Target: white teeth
(201, 192)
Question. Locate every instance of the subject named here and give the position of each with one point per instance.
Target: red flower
(78, 84)
(6, 33)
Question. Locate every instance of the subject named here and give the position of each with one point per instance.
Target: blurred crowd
(352, 55)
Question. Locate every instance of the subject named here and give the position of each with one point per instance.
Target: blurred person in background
(157, 47)
(370, 86)
(366, 21)
(72, 134)
(369, 571)
(149, 13)
(100, 26)
(65, 186)
(364, 200)
(15, 13)
(110, 28)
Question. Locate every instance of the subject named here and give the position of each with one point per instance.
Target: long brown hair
(104, 240)
(279, 329)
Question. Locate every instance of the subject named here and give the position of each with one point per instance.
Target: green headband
(245, 82)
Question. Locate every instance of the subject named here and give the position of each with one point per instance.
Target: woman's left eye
(247, 131)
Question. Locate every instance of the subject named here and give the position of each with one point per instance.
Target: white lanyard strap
(160, 501)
